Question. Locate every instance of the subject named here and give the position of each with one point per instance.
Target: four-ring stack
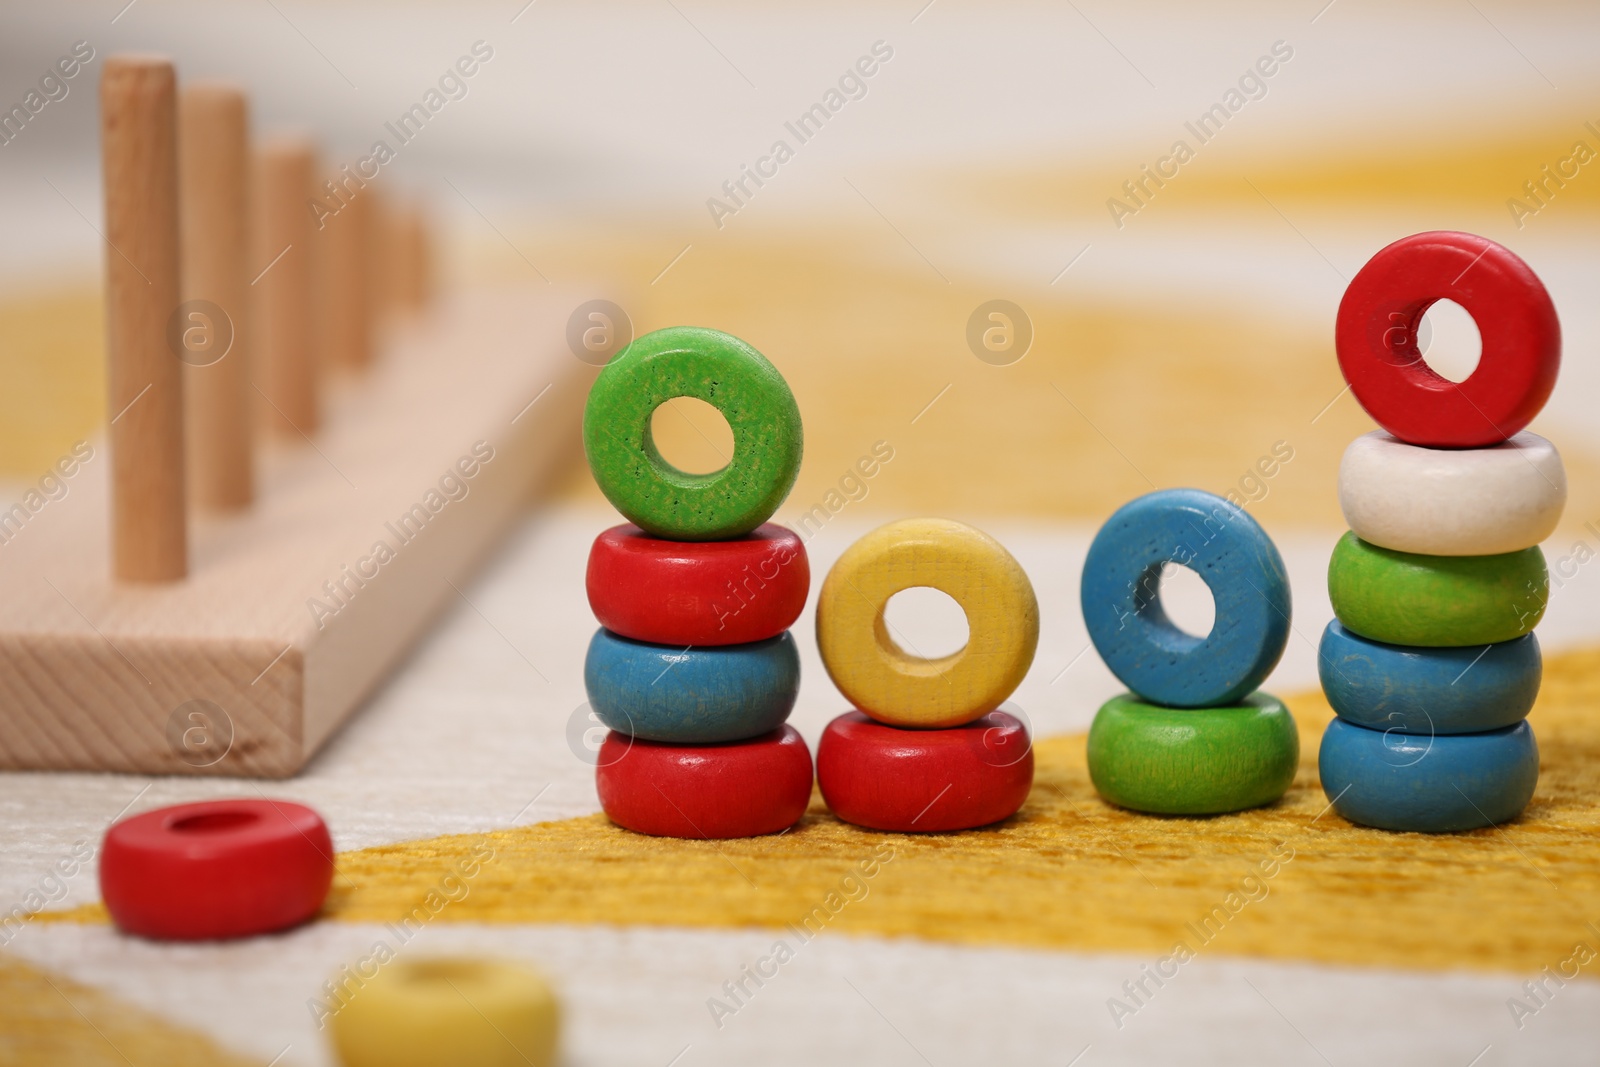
(1195, 736)
(693, 668)
(1431, 663)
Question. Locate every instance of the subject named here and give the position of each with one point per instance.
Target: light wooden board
(93, 672)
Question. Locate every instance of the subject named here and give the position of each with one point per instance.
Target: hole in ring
(926, 622)
(692, 435)
(1448, 340)
(1181, 599)
(214, 822)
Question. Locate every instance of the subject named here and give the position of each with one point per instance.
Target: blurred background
(1176, 338)
(1166, 200)
(1160, 202)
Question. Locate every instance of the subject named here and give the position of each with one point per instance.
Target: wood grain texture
(214, 186)
(286, 372)
(91, 674)
(138, 136)
(896, 685)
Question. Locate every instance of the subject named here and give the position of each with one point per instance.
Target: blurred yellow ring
(890, 684)
(464, 1012)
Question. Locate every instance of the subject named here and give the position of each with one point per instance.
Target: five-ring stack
(1431, 664)
(1195, 736)
(693, 669)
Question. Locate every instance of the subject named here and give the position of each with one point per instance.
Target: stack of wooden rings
(1431, 664)
(1194, 736)
(693, 668)
(928, 748)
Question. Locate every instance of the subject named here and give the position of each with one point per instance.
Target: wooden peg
(412, 258)
(138, 132)
(213, 154)
(286, 372)
(345, 277)
(381, 277)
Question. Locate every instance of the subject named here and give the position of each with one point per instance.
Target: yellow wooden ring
(888, 683)
(464, 1012)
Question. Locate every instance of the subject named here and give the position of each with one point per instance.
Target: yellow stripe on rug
(1289, 882)
(47, 1020)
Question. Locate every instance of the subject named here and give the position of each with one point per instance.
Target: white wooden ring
(1452, 502)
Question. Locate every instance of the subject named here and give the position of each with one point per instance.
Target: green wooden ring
(1193, 761)
(1402, 598)
(724, 372)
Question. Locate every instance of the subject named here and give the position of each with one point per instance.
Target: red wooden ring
(698, 592)
(895, 778)
(216, 869)
(1376, 337)
(740, 789)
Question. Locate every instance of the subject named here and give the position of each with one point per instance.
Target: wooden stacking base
(96, 675)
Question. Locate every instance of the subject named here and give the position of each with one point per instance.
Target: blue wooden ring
(695, 696)
(1131, 631)
(1428, 690)
(1428, 784)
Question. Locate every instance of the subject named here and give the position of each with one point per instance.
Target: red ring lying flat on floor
(1376, 337)
(738, 789)
(216, 869)
(907, 780)
(698, 592)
